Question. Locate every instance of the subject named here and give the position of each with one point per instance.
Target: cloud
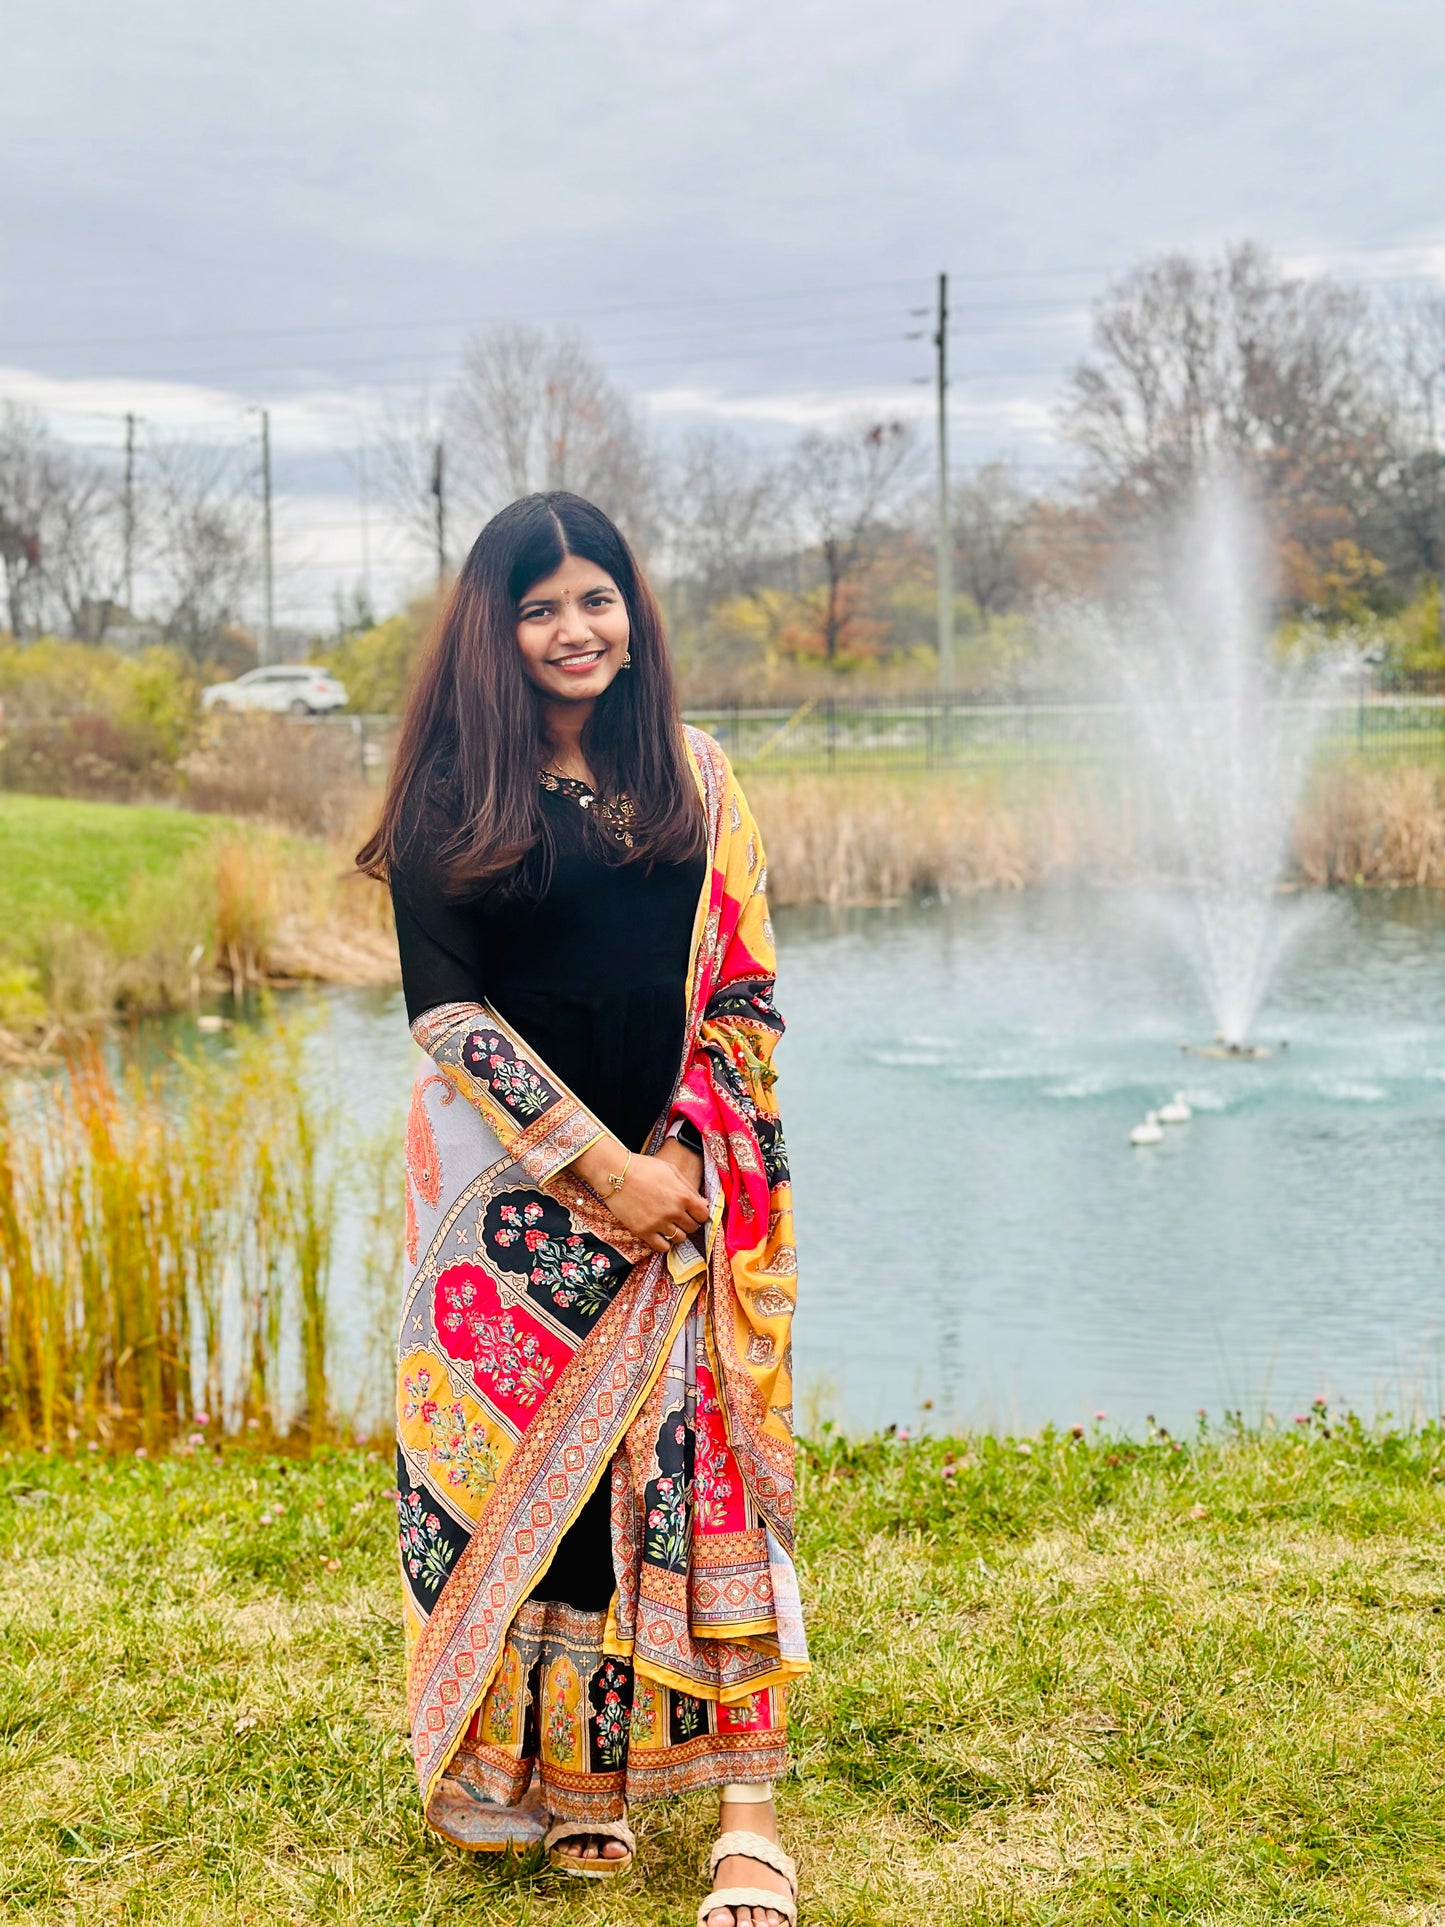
(1022, 416)
(90, 410)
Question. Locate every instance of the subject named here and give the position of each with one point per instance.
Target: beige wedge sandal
(752, 1846)
(572, 1863)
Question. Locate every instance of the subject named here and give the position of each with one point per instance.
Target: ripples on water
(958, 1084)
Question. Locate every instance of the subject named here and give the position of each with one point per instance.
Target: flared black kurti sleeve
(592, 974)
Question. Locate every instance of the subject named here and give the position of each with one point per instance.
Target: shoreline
(188, 906)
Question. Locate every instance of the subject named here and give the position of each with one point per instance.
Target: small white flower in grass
(141, 1452)
(92, 1445)
(1025, 1449)
(245, 1723)
(196, 1438)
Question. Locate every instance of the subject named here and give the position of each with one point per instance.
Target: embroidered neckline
(615, 815)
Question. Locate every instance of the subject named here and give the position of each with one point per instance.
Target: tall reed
(865, 839)
(167, 1241)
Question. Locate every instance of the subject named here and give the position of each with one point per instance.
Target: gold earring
(626, 659)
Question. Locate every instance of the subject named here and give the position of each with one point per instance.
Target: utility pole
(128, 514)
(268, 621)
(945, 520)
(438, 490)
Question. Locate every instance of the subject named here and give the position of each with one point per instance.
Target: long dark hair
(465, 770)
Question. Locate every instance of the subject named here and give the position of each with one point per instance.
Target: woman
(594, 1414)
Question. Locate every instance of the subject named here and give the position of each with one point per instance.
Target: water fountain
(1222, 730)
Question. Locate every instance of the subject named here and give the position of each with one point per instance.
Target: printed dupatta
(541, 1343)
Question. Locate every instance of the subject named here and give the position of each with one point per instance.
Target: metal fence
(832, 734)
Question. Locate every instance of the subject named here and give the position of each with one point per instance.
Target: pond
(978, 1241)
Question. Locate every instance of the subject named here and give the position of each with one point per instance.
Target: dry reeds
(251, 905)
(295, 772)
(1368, 826)
(880, 839)
(875, 840)
(166, 1244)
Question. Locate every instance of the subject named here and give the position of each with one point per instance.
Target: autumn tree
(991, 516)
(1412, 497)
(725, 520)
(1232, 362)
(843, 485)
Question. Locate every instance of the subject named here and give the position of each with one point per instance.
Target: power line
(691, 302)
(456, 321)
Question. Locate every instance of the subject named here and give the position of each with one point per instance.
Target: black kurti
(593, 975)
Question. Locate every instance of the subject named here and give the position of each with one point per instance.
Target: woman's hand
(674, 1152)
(657, 1202)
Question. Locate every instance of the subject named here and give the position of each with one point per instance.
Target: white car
(292, 688)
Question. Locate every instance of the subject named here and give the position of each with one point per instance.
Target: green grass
(68, 862)
(1076, 1681)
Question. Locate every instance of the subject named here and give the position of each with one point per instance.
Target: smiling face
(572, 630)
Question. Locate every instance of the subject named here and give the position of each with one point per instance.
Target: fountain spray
(1222, 730)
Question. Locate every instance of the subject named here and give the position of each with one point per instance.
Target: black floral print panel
(571, 1275)
(429, 1539)
(515, 1084)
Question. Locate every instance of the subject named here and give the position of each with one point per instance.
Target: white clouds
(797, 408)
(1009, 420)
(219, 184)
(91, 410)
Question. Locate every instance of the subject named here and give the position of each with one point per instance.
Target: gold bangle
(615, 1178)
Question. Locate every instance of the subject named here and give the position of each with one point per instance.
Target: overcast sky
(311, 204)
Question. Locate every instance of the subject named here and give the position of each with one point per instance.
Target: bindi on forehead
(567, 595)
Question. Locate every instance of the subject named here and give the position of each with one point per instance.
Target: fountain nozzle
(1233, 1047)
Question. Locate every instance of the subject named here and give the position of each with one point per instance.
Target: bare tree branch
(534, 411)
(59, 532)
(204, 532)
(843, 484)
(1194, 363)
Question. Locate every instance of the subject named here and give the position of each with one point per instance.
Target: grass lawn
(64, 862)
(1073, 1681)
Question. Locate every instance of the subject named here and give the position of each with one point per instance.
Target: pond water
(978, 1241)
